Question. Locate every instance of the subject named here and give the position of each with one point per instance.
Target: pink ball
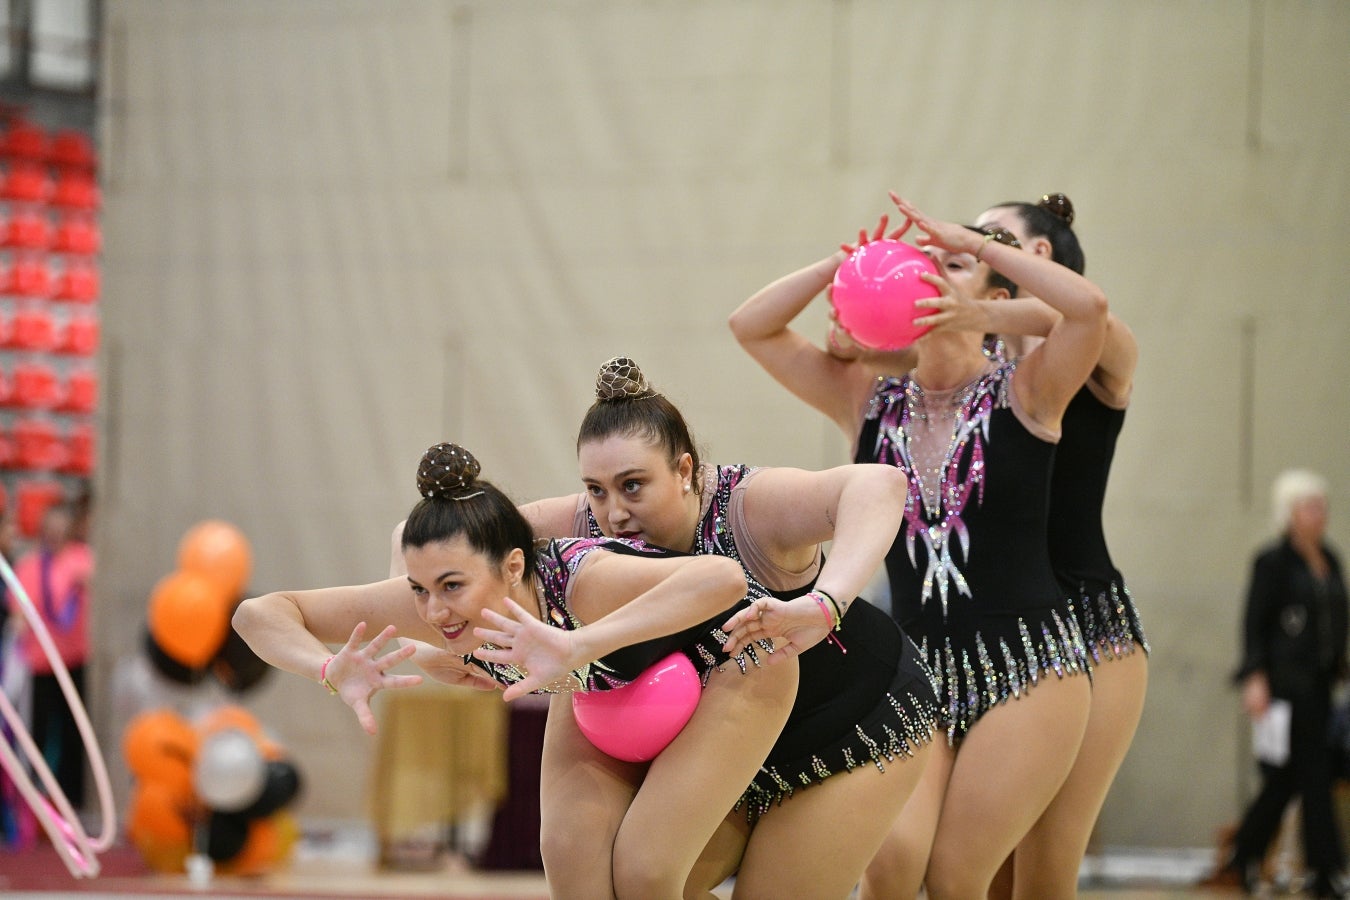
(874, 292)
(637, 721)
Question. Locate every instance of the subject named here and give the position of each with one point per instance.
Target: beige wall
(340, 231)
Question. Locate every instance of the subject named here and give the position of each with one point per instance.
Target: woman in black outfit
(1294, 650)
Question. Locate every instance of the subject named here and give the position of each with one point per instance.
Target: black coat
(1294, 629)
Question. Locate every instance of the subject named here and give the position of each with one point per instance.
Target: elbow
(245, 615)
(1097, 307)
(887, 482)
(740, 329)
(725, 580)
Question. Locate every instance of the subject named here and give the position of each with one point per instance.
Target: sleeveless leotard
(873, 704)
(1101, 602)
(970, 571)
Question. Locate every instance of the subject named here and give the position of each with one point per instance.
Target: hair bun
(621, 379)
(448, 472)
(1059, 206)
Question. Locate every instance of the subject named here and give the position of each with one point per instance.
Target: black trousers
(56, 734)
(1307, 774)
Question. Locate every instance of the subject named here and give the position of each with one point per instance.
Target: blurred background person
(1294, 650)
(55, 573)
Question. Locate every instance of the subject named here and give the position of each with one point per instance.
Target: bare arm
(859, 507)
(291, 630)
(624, 600)
(837, 387)
(1116, 365)
(552, 517)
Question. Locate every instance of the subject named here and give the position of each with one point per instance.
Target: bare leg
(583, 797)
(898, 866)
(694, 782)
(1048, 858)
(1001, 888)
(1008, 768)
(816, 844)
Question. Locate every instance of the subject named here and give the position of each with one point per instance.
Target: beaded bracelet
(820, 597)
(838, 610)
(323, 676)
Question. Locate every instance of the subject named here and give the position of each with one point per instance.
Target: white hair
(1292, 486)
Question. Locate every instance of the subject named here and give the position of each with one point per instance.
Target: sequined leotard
(970, 572)
(555, 564)
(1102, 604)
(873, 704)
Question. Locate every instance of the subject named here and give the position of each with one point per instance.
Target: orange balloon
(219, 551)
(158, 824)
(189, 616)
(231, 716)
(270, 841)
(160, 746)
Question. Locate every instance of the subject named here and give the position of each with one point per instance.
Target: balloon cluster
(219, 787)
(189, 632)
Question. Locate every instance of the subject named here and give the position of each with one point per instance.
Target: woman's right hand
(1256, 695)
(357, 672)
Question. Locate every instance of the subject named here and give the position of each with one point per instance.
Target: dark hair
(997, 279)
(626, 405)
(1051, 218)
(456, 501)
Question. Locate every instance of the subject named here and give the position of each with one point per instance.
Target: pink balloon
(637, 721)
(874, 292)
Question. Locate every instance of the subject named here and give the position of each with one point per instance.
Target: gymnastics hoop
(58, 818)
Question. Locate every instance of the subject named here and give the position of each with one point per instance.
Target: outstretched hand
(936, 233)
(544, 653)
(358, 672)
(794, 626)
(877, 234)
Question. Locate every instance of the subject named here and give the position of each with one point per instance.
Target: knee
(946, 884)
(563, 850)
(645, 872)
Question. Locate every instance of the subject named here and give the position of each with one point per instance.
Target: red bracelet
(323, 676)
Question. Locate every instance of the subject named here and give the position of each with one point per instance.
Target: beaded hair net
(1059, 206)
(621, 379)
(447, 472)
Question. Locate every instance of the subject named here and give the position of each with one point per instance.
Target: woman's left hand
(794, 626)
(544, 653)
(947, 235)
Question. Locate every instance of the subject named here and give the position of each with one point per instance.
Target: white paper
(1270, 734)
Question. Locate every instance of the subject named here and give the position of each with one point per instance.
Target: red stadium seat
(26, 230)
(71, 149)
(37, 445)
(79, 450)
(81, 395)
(78, 235)
(25, 183)
(26, 141)
(79, 337)
(75, 190)
(78, 282)
(31, 499)
(36, 386)
(27, 276)
(33, 329)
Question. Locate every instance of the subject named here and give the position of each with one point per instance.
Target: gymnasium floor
(345, 869)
